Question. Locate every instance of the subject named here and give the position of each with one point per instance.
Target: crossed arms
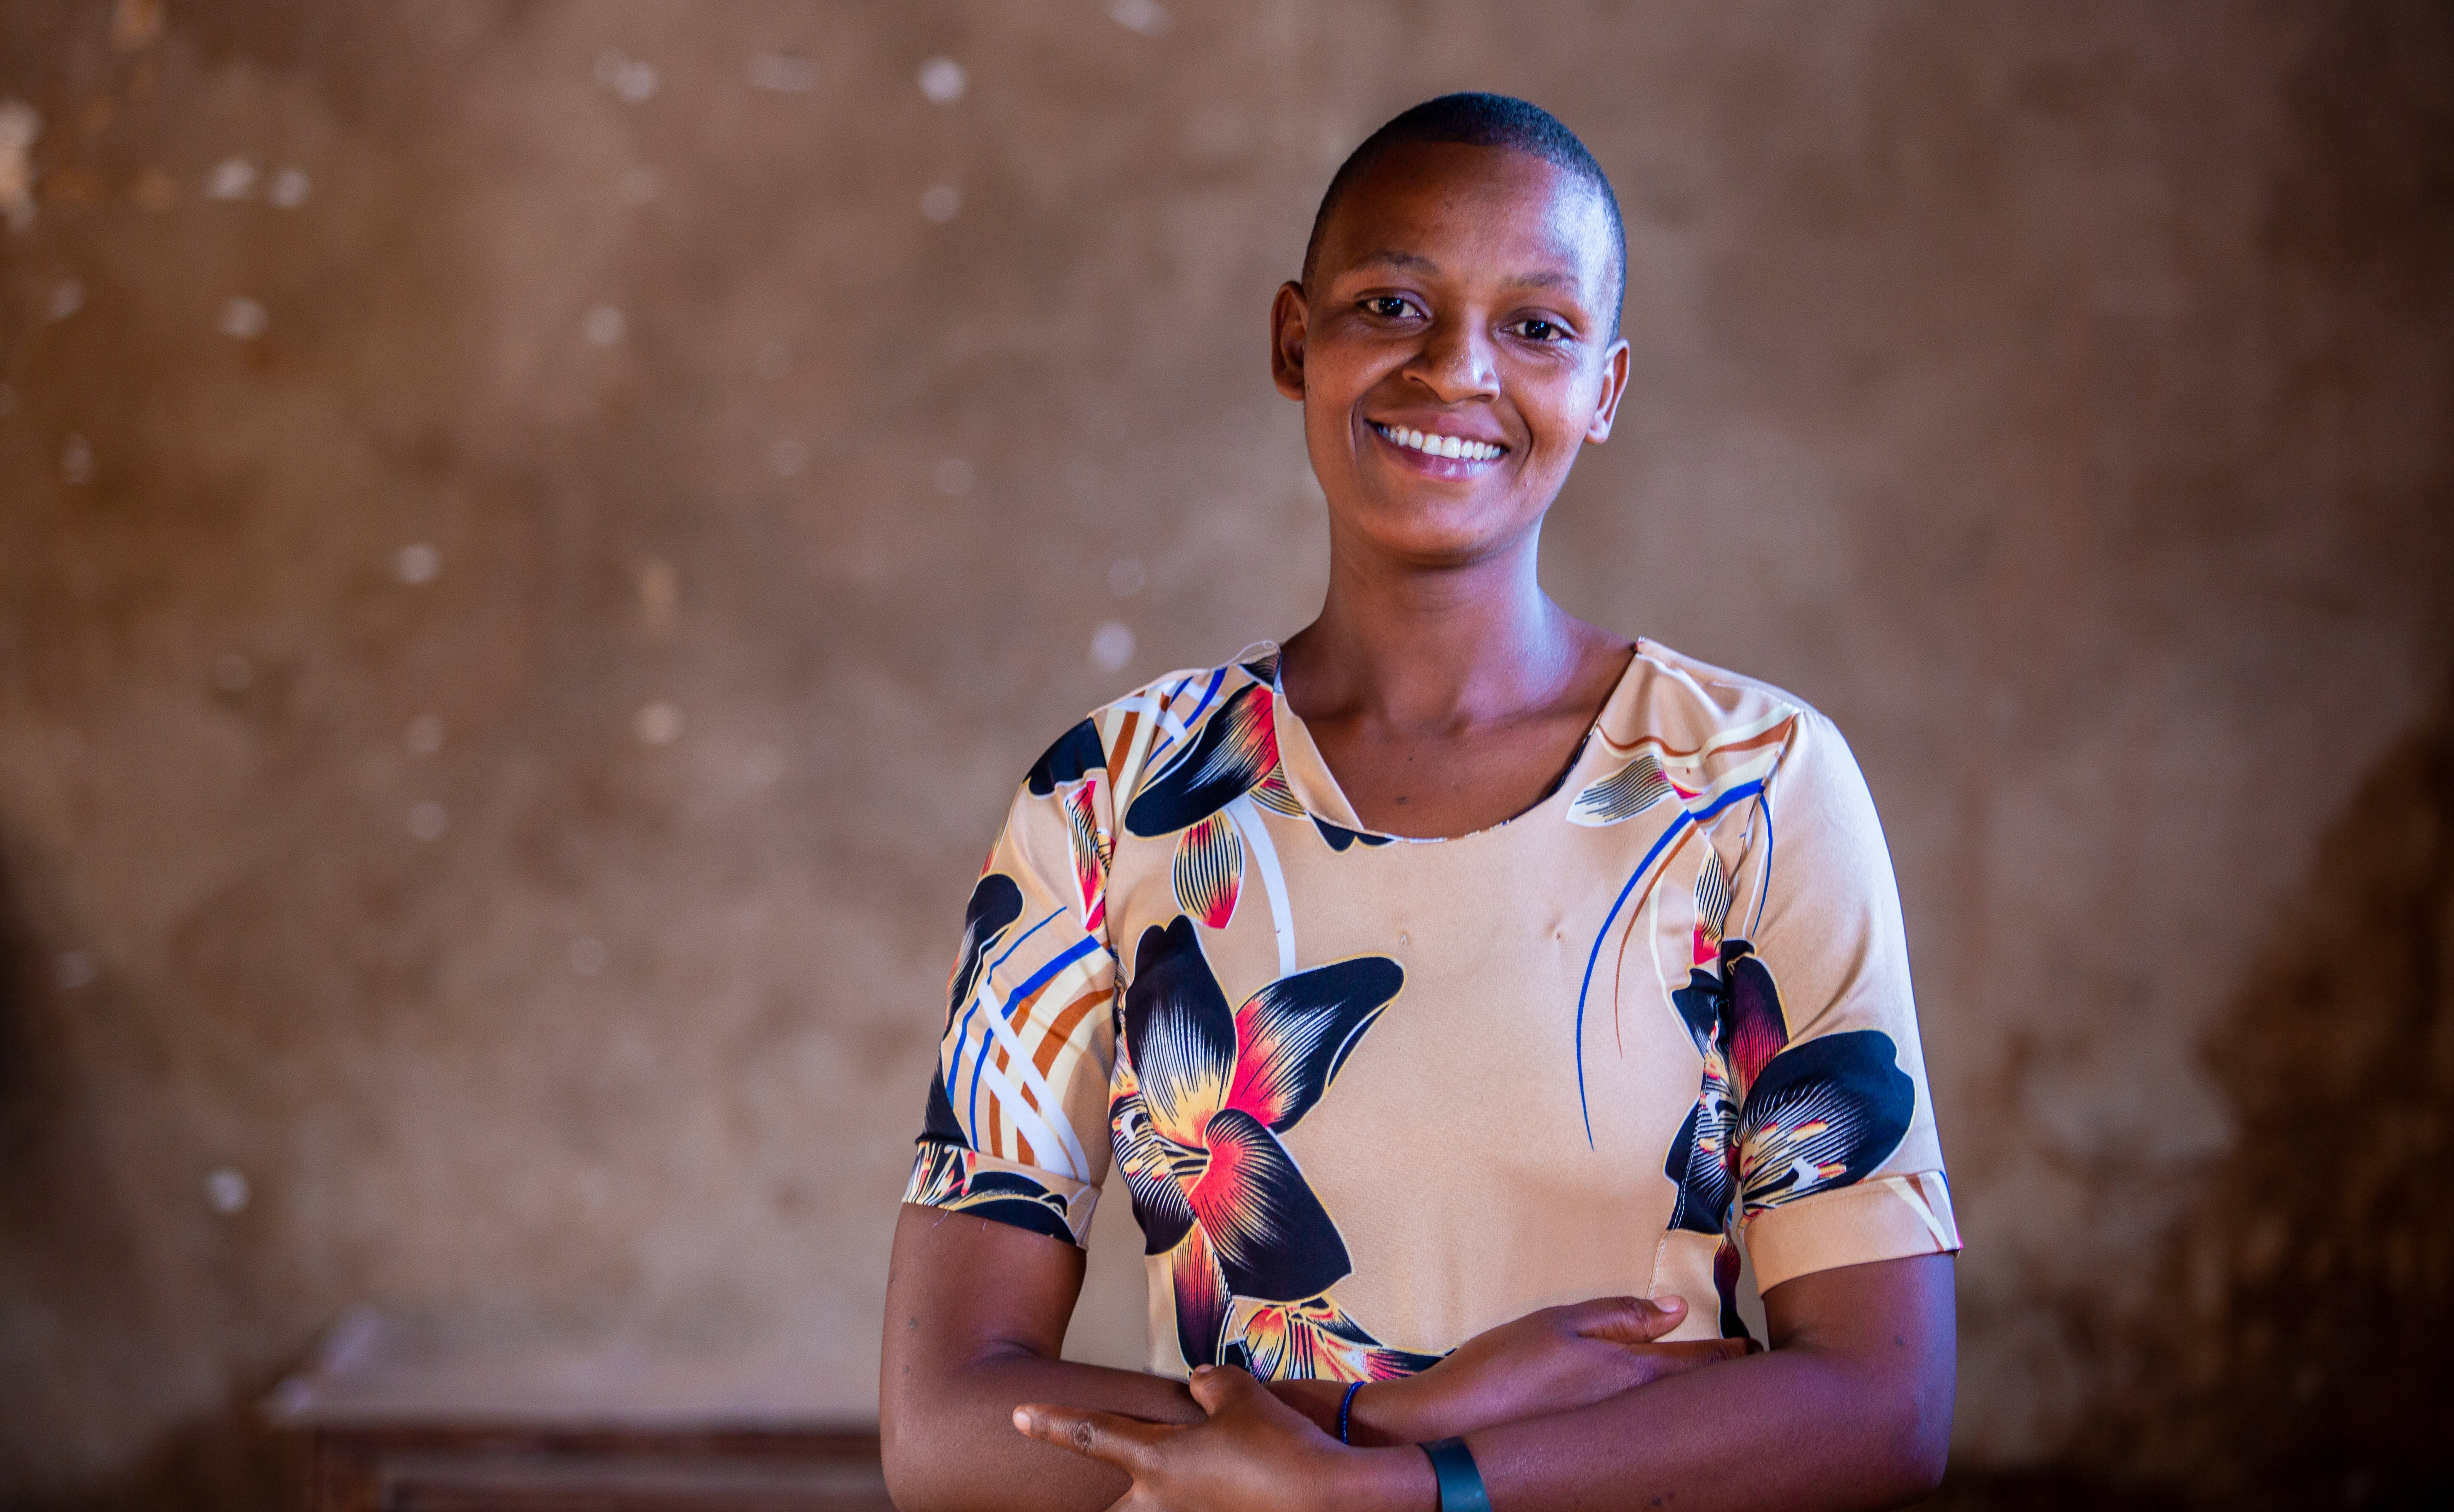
(1570, 1407)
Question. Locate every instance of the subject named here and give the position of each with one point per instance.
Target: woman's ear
(1290, 317)
(1615, 363)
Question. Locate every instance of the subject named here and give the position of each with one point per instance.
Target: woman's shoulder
(1719, 691)
(1731, 729)
(1686, 702)
(1159, 712)
(1189, 694)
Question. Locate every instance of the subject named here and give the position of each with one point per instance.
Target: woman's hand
(1255, 1451)
(1253, 1454)
(1548, 1361)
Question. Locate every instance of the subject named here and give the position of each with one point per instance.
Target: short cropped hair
(1480, 120)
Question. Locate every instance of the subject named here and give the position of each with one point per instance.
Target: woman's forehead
(1470, 212)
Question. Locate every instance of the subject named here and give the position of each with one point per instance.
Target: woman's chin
(1437, 532)
(1438, 549)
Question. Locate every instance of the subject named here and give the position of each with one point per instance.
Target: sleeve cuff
(1891, 1218)
(965, 1181)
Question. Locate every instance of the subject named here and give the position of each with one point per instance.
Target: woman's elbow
(909, 1486)
(1917, 1463)
(920, 1467)
(915, 1480)
(1917, 1439)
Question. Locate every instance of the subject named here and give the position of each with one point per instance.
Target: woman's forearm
(1794, 1429)
(1779, 1430)
(1851, 1408)
(959, 1355)
(1851, 1411)
(946, 1448)
(951, 1446)
(1386, 1413)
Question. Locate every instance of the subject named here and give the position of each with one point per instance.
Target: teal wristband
(1461, 1482)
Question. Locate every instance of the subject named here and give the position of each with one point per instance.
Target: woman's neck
(1406, 647)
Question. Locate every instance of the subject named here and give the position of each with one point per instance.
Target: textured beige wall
(2058, 395)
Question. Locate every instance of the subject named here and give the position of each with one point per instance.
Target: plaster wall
(514, 640)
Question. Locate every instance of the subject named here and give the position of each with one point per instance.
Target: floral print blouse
(1371, 1095)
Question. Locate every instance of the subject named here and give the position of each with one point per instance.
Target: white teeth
(1441, 446)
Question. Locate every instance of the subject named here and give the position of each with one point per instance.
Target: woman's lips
(1438, 456)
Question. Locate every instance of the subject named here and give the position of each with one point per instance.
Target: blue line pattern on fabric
(1687, 818)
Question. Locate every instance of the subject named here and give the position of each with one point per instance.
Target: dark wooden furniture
(389, 1420)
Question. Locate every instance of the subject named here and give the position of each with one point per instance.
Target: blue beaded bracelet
(1345, 1406)
(1460, 1484)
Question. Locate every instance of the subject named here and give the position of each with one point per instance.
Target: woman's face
(1453, 350)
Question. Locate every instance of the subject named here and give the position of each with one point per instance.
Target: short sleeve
(1016, 1128)
(1838, 1163)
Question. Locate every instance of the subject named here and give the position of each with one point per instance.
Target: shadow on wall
(55, 1179)
(2303, 1359)
(58, 1178)
(2300, 1359)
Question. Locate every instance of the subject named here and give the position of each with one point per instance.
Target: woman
(1454, 988)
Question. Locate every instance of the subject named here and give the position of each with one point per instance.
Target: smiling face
(1453, 350)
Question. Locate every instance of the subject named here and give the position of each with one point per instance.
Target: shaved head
(1479, 120)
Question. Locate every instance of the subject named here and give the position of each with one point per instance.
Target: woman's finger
(1662, 1360)
(1217, 1388)
(1121, 1441)
(1628, 1320)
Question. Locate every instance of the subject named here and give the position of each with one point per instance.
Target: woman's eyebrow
(1417, 263)
(1414, 262)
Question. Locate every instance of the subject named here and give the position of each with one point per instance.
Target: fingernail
(1671, 1303)
(1199, 1371)
(1022, 1420)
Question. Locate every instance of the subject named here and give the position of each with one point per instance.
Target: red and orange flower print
(1202, 1093)
(1774, 1122)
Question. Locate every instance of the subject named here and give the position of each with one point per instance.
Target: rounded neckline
(1301, 776)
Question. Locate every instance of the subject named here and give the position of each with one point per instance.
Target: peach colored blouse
(1371, 1095)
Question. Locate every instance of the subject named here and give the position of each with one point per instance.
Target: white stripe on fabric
(1737, 776)
(1023, 1122)
(1003, 1033)
(1062, 989)
(1126, 772)
(1943, 1237)
(1653, 949)
(1163, 712)
(1256, 838)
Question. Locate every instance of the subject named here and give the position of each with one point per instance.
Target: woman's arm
(1550, 1360)
(975, 1316)
(1849, 1409)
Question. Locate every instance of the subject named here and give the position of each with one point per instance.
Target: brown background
(2058, 396)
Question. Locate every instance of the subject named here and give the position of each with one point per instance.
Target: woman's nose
(1457, 363)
